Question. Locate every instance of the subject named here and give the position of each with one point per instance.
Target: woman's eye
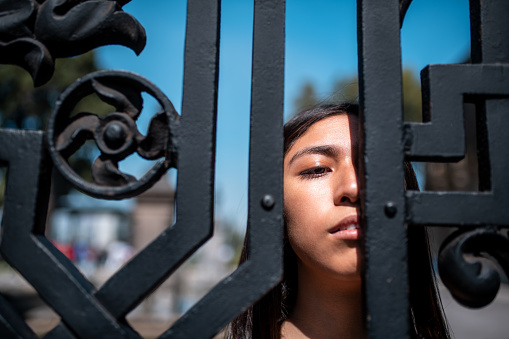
(314, 172)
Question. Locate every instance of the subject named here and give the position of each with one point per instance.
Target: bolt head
(114, 135)
(268, 201)
(390, 209)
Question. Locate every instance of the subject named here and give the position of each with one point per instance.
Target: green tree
(412, 100)
(24, 107)
(307, 97)
(347, 90)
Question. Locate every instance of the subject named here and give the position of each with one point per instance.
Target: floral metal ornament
(34, 33)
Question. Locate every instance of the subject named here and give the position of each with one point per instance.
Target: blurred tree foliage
(307, 97)
(347, 90)
(24, 107)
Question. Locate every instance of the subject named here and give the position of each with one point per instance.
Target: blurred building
(100, 236)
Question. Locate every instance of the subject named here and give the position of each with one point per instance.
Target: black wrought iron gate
(34, 33)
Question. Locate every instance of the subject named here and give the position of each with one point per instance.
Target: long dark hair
(264, 318)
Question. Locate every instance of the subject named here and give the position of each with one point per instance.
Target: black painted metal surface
(34, 33)
(381, 147)
(441, 138)
(116, 135)
(185, 141)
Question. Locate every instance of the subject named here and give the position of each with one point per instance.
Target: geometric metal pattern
(472, 279)
(388, 209)
(445, 89)
(186, 142)
(449, 87)
(34, 33)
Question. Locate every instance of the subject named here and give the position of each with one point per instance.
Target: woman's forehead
(338, 130)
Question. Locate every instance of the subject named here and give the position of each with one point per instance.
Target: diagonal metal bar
(195, 186)
(43, 266)
(12, 324)
(196, 170)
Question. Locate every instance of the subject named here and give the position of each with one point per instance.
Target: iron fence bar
(196, 150)
(265, 222)
(381, 147)
(488, 31)
(47, 269)
(484, 83)
(246, 285)
(464, 270)
(489, 44)
(195, 164)
(12, 324)
(457, 208)
(384, 144)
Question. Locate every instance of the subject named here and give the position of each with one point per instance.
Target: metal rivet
(114, 135)
(390, 209)
(268, 201)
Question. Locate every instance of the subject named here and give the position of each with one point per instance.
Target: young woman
(320, 295)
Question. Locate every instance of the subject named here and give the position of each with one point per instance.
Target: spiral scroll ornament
(465, 263)
(116, 135)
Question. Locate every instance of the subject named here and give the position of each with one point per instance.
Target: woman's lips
(347, 229)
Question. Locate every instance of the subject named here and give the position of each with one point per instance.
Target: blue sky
(321, 48)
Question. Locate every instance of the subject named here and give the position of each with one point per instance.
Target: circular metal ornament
(116, 134)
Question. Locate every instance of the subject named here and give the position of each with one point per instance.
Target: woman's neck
(325, 308)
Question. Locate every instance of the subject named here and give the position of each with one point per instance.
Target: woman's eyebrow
(326, 150)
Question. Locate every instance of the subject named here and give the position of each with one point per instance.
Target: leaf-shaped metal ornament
(154, 145)
(35, 32)
(14, 16)
(70, 28)
(127, 100)
(80, 129)
(31, 55)
(105, 172)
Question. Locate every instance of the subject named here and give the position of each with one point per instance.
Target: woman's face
(322, 198)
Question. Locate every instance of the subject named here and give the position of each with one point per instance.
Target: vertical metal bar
(382, 188)
(266, 133)
(199, 111)
(489, 44)
(488, 31)
(264, 267)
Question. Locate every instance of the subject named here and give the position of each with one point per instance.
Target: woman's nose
(347, 186)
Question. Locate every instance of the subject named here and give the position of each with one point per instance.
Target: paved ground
(490, 322)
